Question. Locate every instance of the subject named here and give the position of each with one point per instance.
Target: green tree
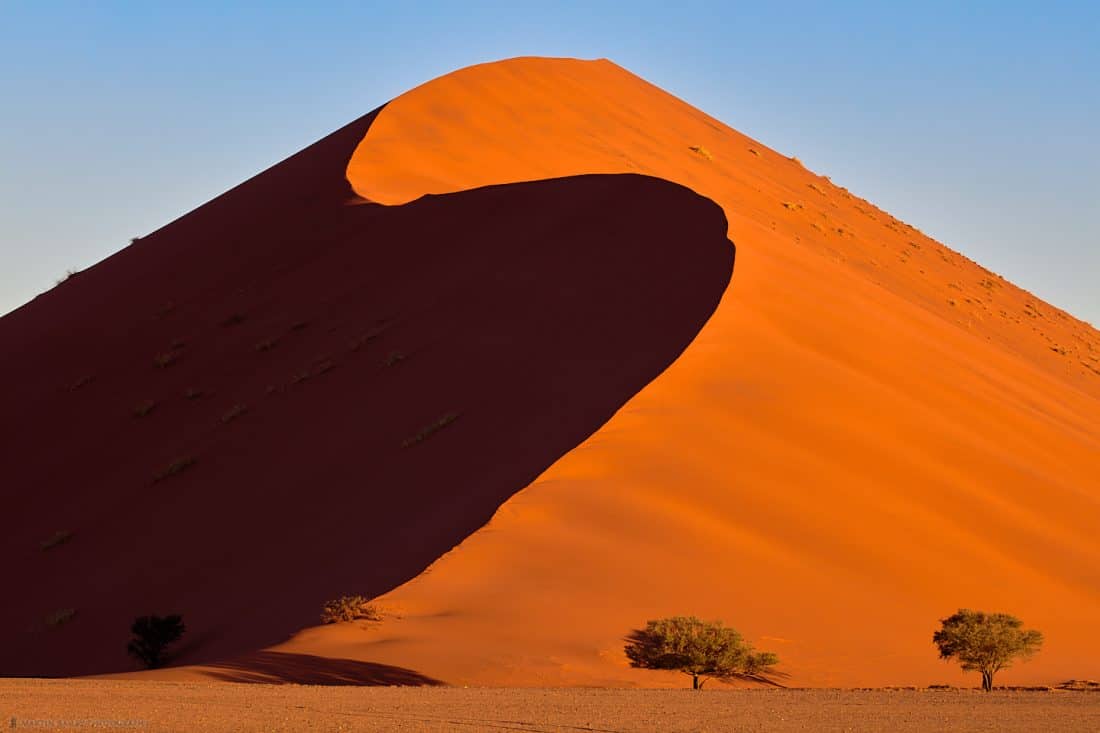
(985, 642)
(701, 649)
(151, 635)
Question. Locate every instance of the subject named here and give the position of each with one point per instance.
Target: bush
(151, 635)
(700, 649)
(349, 608)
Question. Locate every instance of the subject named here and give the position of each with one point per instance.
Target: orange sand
(870, 432)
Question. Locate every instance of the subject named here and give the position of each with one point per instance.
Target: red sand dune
(869, 432)
(339, 332)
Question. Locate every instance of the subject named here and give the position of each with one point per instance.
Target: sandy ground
(171, 706)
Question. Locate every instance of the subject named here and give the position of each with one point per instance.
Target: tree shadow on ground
(269, 667)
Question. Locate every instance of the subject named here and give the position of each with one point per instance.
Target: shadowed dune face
(287, 396)
(306, 669)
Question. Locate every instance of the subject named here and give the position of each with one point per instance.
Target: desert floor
(170, 706)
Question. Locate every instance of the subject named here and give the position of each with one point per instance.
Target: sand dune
(345, 392)
(868, 432)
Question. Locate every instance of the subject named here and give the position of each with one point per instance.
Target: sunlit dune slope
(870, 432)
(290, 394)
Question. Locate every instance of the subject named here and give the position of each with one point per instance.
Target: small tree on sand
(985, 642)
(701, 649)
(151, 635)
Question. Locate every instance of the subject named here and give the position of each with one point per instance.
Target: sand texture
(173, 706)
(489, 352)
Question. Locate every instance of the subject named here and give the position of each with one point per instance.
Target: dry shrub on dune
(349, 608)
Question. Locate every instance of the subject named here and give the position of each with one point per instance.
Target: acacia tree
(985, 642)
(151, 635)
(701, 649)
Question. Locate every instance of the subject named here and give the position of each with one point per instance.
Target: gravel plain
(65, 705)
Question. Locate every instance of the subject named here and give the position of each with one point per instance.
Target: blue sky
(977, 122)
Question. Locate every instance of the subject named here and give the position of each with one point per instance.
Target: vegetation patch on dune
(233, 413)
(701, 151)
(429, 430)
(152, 635)
(349, 608)
(81, 382)
(174, 468)
(59, 537)
(60, 617)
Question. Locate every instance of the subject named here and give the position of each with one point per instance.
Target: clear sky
(979, 123)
